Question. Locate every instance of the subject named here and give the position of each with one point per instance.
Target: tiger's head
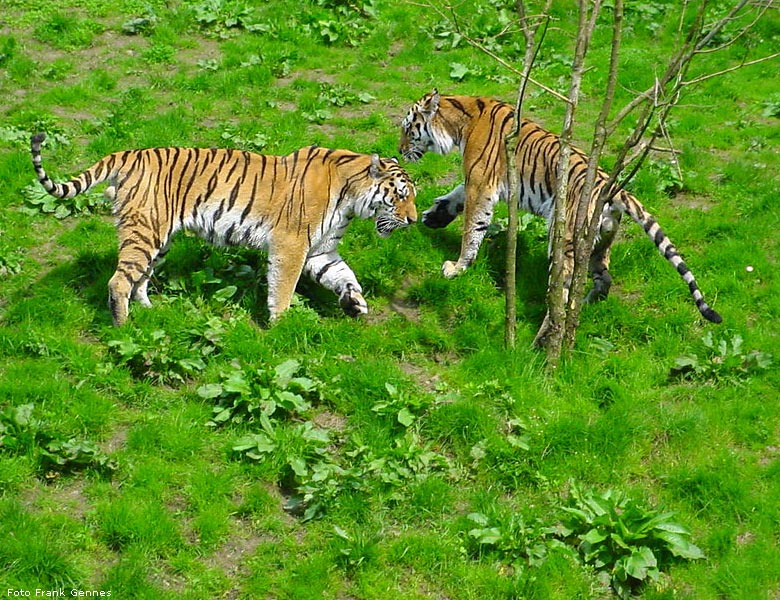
(423, 129)
(391, 202)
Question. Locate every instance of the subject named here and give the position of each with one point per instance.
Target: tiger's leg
(478, 214)
(445, 208)
(132, 270)
(140, 294)
(140, 291)
(599, 259)
(329, 270)
(284, 270)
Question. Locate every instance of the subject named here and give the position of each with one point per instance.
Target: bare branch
(729, 70)
(513, 69)
(721, 24)
(439, 8)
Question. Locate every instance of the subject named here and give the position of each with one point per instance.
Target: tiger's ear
(376, 166)
(432, 104)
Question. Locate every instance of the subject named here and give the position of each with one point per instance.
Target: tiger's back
(295, 206)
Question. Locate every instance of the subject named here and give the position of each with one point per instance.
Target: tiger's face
(419, 131)
(392, 203)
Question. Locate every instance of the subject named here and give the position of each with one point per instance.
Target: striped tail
(669, 252)
(75, 186)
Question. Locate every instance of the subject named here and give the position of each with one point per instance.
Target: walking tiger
(296, 206)
(478, 127)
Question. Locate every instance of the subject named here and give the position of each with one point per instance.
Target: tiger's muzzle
(387, 223)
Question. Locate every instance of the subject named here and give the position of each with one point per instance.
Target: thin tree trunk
(550, 335)
(529, 33)
(587, 222)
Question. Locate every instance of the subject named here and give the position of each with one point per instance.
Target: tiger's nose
(411, 219)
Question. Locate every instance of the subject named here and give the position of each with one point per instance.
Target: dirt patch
(406, 308)
(330, 421)
(317, 75)
(66, 496)
(769, 455)
(422, 376)
(745, 538)
(694, 202)
(165, 577)
(117, 440)
(230, 556)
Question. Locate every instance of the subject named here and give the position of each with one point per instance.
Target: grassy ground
(198, 453)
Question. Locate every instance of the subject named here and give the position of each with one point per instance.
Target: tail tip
(38, 138)
(711, 315)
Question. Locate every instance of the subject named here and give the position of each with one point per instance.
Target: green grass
(112, 477)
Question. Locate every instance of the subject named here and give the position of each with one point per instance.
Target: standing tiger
(478, 128)
(296, 206)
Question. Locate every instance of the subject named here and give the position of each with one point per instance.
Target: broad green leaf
(405, 417)
(226, 293)
(679, 546)
(315, 434)
(478, 451)
(518, 441)
(285, 371)
(290, 401)
(477, 518)
(639, 562)
(210, 391)
(222, 416)
(254, 441)
(22, 415)
(236, 384)
(298, 465)
(581, 514)
(192, 364)
(265, 423)
(594, 536)
(618, 539)
(458, 71)
(488, 536)
(672, 527)
(304, 383)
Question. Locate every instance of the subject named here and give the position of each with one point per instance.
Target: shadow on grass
(191, 270)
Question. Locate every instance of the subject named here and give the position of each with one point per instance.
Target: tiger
(478, 126)
(296, 207)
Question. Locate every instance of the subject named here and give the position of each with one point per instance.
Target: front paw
(451, 269)
(353, 303)
(439, 215)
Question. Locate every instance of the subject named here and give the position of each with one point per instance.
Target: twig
(452, 18)
(729, 70)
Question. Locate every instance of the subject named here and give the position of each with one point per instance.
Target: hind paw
(451, 269)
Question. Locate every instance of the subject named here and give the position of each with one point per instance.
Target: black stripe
(251, 199)
(325, 269)
(192, 153)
